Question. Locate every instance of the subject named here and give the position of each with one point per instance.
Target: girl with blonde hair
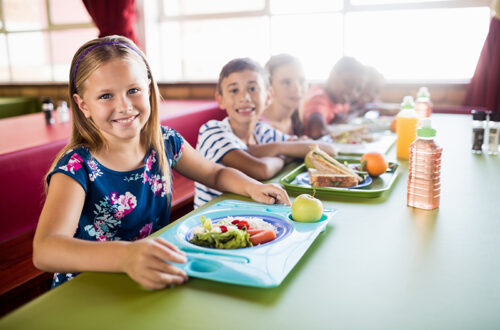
(111, 185)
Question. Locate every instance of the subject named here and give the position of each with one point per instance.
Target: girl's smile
(126, 121)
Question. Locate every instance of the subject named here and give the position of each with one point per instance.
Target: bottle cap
(423, 93)
(426, 130)
(63, 105)
(408, 103)
(47, 100)
(478, 115)
(495, 116)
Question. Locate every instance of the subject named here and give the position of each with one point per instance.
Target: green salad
(220, 235)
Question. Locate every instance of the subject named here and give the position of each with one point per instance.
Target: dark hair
(347, 64)
(239, 65)
(279, 60)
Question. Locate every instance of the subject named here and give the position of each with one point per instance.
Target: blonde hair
(91, 56)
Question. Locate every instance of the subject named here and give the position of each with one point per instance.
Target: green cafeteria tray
(378, 186)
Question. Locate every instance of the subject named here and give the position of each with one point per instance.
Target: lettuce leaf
(231, 239)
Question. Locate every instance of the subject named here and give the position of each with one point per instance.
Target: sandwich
(351, 134)
(325, 171)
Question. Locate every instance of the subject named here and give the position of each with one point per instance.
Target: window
(424, 40)
(39, 37)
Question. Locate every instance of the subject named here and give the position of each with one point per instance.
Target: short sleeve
(174, 144)
(265, 133)
(215, 140)
(319, 102)
(72, 165)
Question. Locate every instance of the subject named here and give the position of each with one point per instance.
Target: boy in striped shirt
(241, 140)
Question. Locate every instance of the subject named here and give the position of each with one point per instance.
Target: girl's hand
(146, 263)
(268, 194)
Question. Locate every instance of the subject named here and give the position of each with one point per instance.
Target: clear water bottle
(62, 112)
(424, 185)
(423, 104)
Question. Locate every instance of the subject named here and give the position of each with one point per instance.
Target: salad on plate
(233, 232)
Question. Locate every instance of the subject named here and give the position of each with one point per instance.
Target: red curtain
(484, 87)
(113, 17)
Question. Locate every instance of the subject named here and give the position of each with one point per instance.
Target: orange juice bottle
(406, 127)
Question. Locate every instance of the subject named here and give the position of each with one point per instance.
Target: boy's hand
(145, 263)
(299, 138)
(328, 148)
(269, 194)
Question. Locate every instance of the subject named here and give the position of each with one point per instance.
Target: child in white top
(241, 140)
(111, 185)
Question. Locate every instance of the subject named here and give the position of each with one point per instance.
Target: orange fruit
(375, 163)
(393, 125)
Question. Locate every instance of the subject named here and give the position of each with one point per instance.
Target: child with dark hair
(367, 99)
(241, 140)
(331, 104)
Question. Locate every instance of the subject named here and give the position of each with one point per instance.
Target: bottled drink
(406, 127)
(48, 107)
(478, 127)
(424, 186)
(494, 133)
(62, 112)
(423, 104)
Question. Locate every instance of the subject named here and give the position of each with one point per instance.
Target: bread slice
(322, 179)
(326, 164)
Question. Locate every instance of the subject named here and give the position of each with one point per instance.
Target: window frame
(347, 7)
(49, 28)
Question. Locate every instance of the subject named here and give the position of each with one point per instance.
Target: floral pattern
(73, 165)
(95, 171)
(120, 205)
(157, 182)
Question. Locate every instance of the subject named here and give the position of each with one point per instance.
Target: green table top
(378, 265)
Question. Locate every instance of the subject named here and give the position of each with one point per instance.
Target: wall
(442, 94)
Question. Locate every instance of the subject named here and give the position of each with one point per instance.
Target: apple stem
(314, 190)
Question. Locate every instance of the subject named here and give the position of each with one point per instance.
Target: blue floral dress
(120, 205)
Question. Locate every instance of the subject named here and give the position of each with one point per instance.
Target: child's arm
(317, 125)
(260, 168)
(56, 250)
(193, 165)
(294, 149)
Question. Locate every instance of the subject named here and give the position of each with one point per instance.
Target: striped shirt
(216, 139)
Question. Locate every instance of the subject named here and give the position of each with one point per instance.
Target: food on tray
(233, 232)
(325, 171)
(319, 179)
(374, 163)
(351, 134)
(306, 208)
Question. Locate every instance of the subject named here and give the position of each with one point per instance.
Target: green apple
(307, 160)
(306, 208)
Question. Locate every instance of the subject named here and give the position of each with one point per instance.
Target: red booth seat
(24, 162)
(23, 171)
